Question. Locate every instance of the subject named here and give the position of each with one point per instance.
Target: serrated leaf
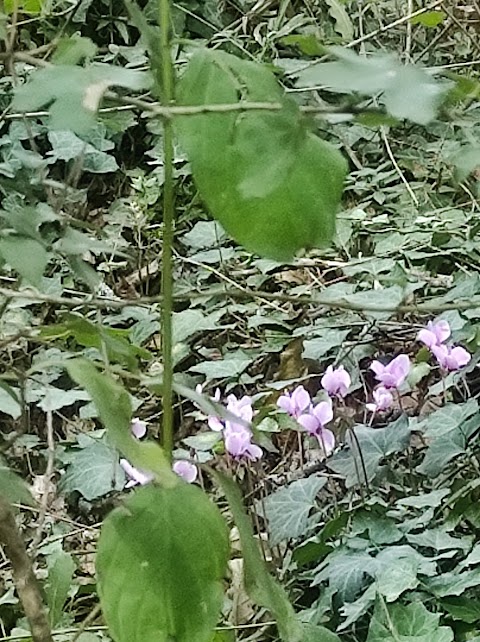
(287, 510)
(60, 572)
(26, 256)
(94, 472)
(161, 561)
(411, 623)
(281, 185)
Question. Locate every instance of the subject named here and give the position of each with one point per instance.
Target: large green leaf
(160, 563)
(272, 184)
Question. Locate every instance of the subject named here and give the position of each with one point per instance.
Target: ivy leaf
(439, 539)
(462, 608)
(411, 623)
(161, 561)
(453, 583)
(12, 486)
(26, 256)
(288, 509)
(9, 400)
(407, 91)
(94, 472)
(364, 453)
(73, 94)
(447, 430)
(281, 185)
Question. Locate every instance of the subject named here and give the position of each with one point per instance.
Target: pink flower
(186, 470)
(137, 476)
(382, 400)
(451, 357)
(393, 374)
(336, 381)
(434, 334)
(139, 428)
(238, 443)
(295, 403)
(214, 422)
(314, 423)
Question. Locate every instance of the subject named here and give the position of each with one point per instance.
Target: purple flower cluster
(237, 435)
(314, 417)
(449, 357)
(390, 376)
(182, 468)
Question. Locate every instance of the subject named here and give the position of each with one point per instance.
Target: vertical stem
(168, 216)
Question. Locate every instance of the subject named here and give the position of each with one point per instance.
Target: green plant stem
(168, 216)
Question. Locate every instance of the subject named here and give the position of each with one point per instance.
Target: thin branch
(23, 575)
(340, 304)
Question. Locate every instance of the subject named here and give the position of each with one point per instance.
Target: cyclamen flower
(186, 470)
(182, 468)
(237, 435)
(382, 400)
(435, 333)
(214, 422)
(451, 358)
(314, 423)
(393, 374)
(336, 381)
(295, 403)
(238, 443)
(136, 475)
(138, 428)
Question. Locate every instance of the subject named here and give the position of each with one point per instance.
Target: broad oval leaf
(160, 563)
(272, 184)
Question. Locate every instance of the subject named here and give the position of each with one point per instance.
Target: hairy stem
(168, 216)
(23, 576)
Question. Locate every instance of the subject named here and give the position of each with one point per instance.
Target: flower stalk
(167, 78)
